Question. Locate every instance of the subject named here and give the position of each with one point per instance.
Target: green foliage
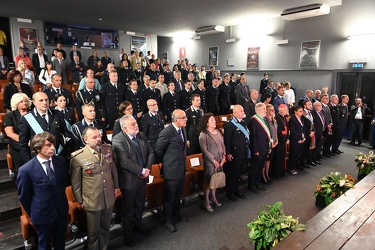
(272, 226)
(365, 163)
(333, 185)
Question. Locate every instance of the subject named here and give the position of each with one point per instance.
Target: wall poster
(139, 44)
(253, 58)
(213, 56)
(182, 53)
(309, 54)
(29, 36)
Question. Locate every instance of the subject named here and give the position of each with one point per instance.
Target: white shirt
(42, 63)
(41, 161)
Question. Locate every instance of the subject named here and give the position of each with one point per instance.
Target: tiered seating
(194, 165)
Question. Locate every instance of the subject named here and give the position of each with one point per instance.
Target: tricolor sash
(263, 124)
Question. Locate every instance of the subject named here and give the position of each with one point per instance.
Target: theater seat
(155, 190)
(10, 162)
(194, 165)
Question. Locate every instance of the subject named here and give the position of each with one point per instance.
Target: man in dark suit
(201, 91)
(185, 95)
(152, 72)
(105, 75)
(342, 123)
(75, 52)
(178, 82)
(358, 116)
(324, 99)
(308, 148)
(4, 65)
(170, 149)
(224, 96)
(209, 76)
(41, 186)
(61, 66)
(242, 91)
(89, 95)
(279, 99)
(320, 126)
(145, 85)
(113, 94)
(94, 182)
(40, 119)
(263, 84)
(88, 112)
(151, 93)
(152, 122)
(77, 68)
(138, 73)
(135, 98)
(334, 109)
(106, 59)
(134, 159)
(260, 138)
(56, 89)
(236, 141)
(309, 95)
(171, 101)
(59, 49)
(194, 114)
(249, 106)
(39, 61)
(212, 94)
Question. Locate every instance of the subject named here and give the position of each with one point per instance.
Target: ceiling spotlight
(100, 19)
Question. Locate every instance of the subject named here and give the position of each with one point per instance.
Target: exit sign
(357, 65)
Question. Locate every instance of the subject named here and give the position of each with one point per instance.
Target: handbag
(217, 179)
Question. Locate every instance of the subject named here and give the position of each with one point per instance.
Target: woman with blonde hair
(272, 124)
(27, 75)
(20, 104)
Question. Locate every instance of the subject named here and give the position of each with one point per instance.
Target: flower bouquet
(365, 163)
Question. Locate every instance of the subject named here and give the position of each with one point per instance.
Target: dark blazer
(111, 99)
(178, 88)
(135, 99)
(235, 141)
(224, 96)
(152, 126)
(202, 94)
(185, 99)
(296, 129)
(84, 97)
(77, 72)
(192, 127)
(149, 94)
(335, 116)
(65, 92)
(259, 141)
(277, 101)
(42, 200)
(249, 108)
(77, 130)
(242, 96)
(10, 89)
(212, 95)
(127, 161)
(69, 115)
(327, 114)
(35, 62)
(71, 55)
(170, 103)
(125, 75)
(56, 126)
(209, 76)
(170, 150)
(6, 64)
(319, 127)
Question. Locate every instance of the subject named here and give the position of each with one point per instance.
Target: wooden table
(347, 223)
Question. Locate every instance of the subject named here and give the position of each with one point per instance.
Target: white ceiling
(161, 17)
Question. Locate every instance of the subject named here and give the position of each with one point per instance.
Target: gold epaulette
(75, 153)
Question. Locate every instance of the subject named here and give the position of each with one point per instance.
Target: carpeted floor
(226, 228)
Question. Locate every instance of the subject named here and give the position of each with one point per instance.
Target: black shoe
(311, 164)
(326, 156)
(340, 152)
(142, 230)
(351, 143)
(269, 181)
(301, 167)
(232, 198)
(128, 240)
(253, 189)
(373, 147)
(322, 157)
(332, 154)
(260, 188)
(240, 195)
(182, 218)
(317, 162)
(264, 181)
(358, 145)
(170, 227)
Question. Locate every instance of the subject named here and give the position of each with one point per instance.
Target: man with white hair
(105, 76)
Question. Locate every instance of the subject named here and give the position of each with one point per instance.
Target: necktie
(246, 92)
(44, 118)
(50, 172)
(58, 91)
(91, 125)
(181, 136)
(322, 119)
(179, 82)
(139, 152)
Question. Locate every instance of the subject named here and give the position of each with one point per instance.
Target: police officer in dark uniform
(333, 106)
(113, 94)
(170, 102)
(233, 83)
(151, 93)
(212, 93)
(152, 72)
(224, 96)
(264, 84)
(185, 95)
(195, 72)
(89, 95)
(56, 89)
(168, 75)
(152, 122)
(138, 74)
(135, 98)
(184, 71)
(342, 123)
(194, 115)
(201, 91)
